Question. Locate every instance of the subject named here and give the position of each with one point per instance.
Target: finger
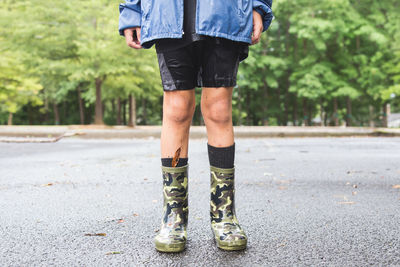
(128, 36)
(134, 45)
(138, 34)
(256, 34)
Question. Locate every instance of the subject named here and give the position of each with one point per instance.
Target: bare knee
(218, 112)
(179, 109)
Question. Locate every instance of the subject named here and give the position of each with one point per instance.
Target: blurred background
(322, 62)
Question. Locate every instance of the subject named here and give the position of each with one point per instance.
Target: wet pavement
(302, 201)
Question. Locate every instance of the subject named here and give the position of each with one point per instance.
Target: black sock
(221, 157)
(167, 162)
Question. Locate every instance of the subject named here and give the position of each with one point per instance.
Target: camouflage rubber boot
(227, 232)
(172, 235)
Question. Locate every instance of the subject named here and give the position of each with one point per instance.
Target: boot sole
(232, 248)
(170, 248)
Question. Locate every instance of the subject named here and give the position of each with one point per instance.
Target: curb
(123, 132)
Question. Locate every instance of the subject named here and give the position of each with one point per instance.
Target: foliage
(334, 60)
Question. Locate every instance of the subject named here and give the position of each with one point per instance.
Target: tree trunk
(286, 105)
(64, 109)
(132, 111)
(46, 109)
(124, 111)
(326, 119)
(144, 110)
(371, 116)
(98, 119)
(81, 107)
(386, 113)
(279, 115)
(265, 106)
(119, 111)
(56, 114)
(335, 112)
(295, 110)
(310, 115)
(10, 119)
(305, 117)
(322, 113)
(348, 115)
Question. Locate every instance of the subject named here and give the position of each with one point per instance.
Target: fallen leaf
(113, 253)
(175, 159)
(96, 234)
(347, 202)
(49, 184)
(396, 186)
(281, 245)
(135, 214)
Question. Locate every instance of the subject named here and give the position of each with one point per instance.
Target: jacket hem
(226, 36)
(148, 42)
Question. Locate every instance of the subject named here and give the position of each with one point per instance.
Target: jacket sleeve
(264, 8)
(130, 15)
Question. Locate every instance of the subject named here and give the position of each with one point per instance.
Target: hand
(257, 27)
(132, 40)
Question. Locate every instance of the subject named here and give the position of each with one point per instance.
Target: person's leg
(218, 79)
(178, 110)
(216, 107)
(178, 73)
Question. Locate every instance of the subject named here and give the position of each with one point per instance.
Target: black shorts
(212, 62)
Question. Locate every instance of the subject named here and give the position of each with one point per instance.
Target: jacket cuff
(264, 9)
(128, 18)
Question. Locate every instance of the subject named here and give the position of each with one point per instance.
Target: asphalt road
(306, 201)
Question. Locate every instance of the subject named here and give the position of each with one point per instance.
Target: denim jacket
(230, 19)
